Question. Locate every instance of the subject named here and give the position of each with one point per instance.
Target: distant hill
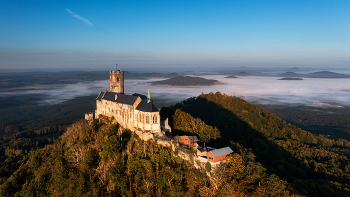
(186, 81)
(136, 75)
(289, 74)
(243, 74)
(170, 75)
(231, 76)
(290, 78)
(327, 74)
(294, 69)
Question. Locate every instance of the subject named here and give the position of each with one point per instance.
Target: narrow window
(147, 119)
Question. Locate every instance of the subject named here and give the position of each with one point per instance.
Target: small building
(201, 151)
(190, 141)
(219, 154)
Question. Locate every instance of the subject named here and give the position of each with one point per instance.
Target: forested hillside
(91, 160)
(271, 158)
(310, 165)
(103, 159)
(27, 126)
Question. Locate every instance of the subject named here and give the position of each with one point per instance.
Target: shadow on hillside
(273, 157)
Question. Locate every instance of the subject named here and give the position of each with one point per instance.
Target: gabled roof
(192, 138)
(126, 99)
(147, 107)
(221, 151)
(99, 97)
(143, 97)
(121, 98)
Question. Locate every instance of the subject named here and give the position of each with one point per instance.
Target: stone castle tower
(117, 81)
(135, 112)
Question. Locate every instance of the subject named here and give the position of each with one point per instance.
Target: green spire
(148, 96)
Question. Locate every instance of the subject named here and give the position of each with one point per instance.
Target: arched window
(147, 119)
(154, 119)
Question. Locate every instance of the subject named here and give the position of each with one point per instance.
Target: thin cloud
(79, 17)
(255, 89)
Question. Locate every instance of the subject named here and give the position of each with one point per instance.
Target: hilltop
(290, 74)
(186, 81)
(327, 74)
(298, 157)
(290, 78)
(271, 157)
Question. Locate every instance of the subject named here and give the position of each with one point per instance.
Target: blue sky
(97, 34)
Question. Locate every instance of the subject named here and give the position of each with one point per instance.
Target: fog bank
(259, 90)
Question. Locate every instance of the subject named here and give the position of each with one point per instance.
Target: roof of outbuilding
(192, 138)
(221, 151)
(147, 107)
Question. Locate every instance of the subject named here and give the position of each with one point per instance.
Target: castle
(134, 112)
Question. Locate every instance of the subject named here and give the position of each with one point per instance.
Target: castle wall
(124, 114)
(129, 117)
(117, 81)
(89, 117)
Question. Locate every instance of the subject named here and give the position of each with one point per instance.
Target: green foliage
(268, 145)
(271, 158)
(208, 167)
(176, 152)
(110, 148)
(274, 185)
(184, 123)
(102, 167)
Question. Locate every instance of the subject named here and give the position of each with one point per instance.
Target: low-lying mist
(256, 89)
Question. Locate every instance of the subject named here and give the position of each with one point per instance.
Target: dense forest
(103, 159)
(311, 165)
(331, 121)
(26, 126)
(271, 157)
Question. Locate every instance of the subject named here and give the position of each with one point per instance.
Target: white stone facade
(133, 112)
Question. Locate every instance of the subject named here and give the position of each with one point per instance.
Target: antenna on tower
(116, 66)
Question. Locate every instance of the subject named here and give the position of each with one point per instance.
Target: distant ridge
(289, 74)
(136, 75)
(320, 74)
(186, 81)
(290, 78)
(294, 69)
(243, 74)
(231, 76)
(327, 74)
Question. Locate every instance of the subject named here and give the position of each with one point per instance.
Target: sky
(98, 34)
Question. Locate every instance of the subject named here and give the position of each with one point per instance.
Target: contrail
(79, 17)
